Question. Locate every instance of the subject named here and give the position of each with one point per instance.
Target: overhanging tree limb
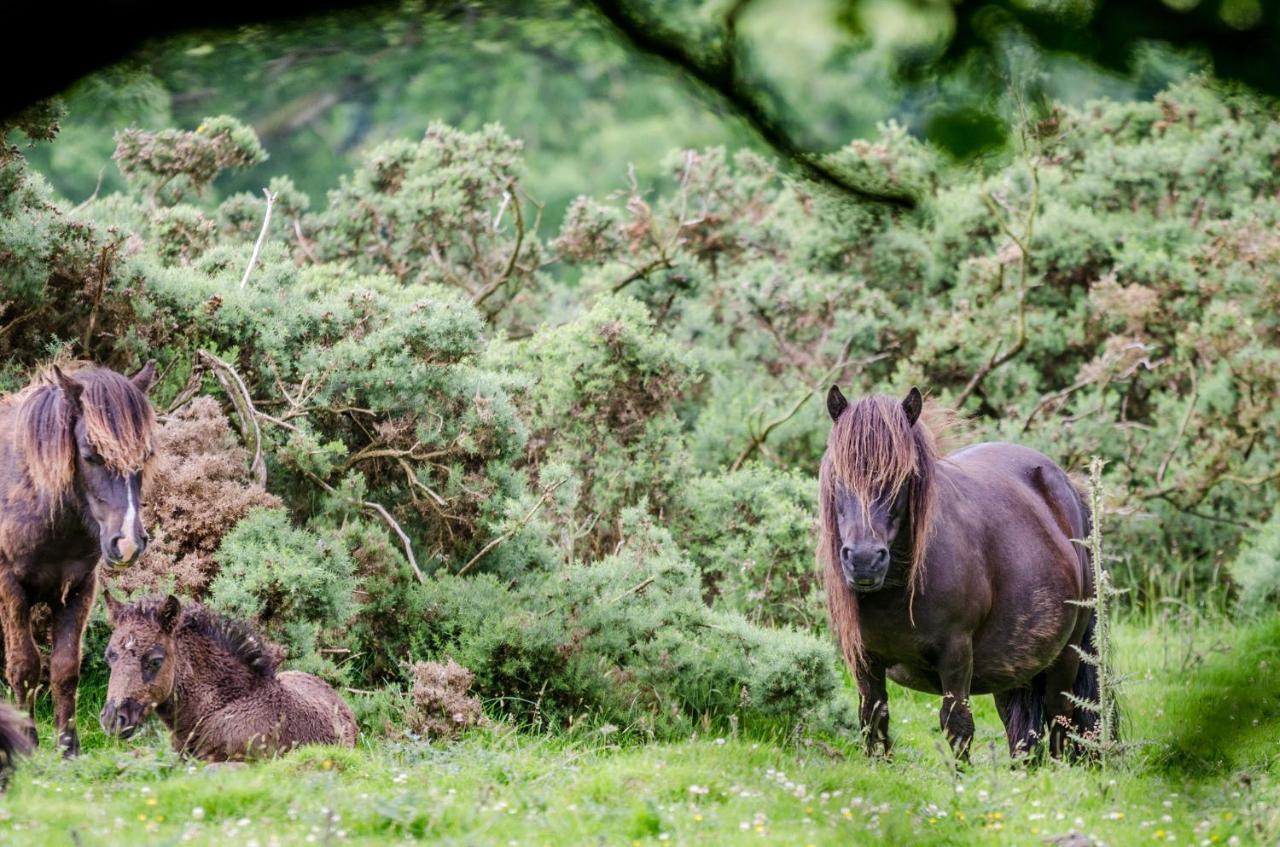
(717, 71)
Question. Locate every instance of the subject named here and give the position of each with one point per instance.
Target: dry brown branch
(249, 415)
(758, 438)
(238, 393)
(1182, 427)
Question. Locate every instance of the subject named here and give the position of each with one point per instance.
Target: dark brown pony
(214, 683)
(73, 449)
(955, 575)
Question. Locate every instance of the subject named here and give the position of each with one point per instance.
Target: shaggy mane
(241, 641)
(873, 452)
(119, 423)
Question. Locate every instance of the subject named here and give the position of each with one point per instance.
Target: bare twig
(520, 524)
(238, 392)
(758, 438)
(262, 236)
(1023, 243)
(489, 289)
(92, 196)
(1182, 427)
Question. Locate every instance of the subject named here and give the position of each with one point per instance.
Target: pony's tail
(1086, 687)
(15, 739)
(1025, 719)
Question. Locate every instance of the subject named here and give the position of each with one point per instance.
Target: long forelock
(119, 421)
(874, 452)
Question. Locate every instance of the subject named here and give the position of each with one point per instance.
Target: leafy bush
(626, 641)
(750, 532)
(1256, 568)
(296, 585)
(601, 399)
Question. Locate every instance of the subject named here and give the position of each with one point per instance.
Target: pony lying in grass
(955, 575)
(74, 447)
(214, 684)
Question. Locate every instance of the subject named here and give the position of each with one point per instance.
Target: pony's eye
(93, 459)
(153, 664)
(111, 657)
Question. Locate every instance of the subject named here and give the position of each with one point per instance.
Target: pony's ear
(113, 606)
(144, 377)
(912, 405)
(169, 612)
(70, 388)
(836, 402)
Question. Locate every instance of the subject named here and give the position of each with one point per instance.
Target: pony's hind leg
(873, 707)
(1022, 713)
(1059, 682)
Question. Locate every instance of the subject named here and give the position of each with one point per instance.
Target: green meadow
(1201, 716)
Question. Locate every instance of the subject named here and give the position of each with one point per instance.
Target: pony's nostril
(881, 555)
(846, 554)
(113, 546)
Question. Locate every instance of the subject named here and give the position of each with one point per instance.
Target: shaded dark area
(1239, 39)
(93, 35)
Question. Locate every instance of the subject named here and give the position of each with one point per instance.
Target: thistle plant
(1104, 740)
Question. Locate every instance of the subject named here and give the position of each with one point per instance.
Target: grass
(1202, 711)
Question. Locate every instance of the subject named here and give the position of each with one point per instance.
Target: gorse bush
(296, 585)
(579, 459)
(750, 532)
(626, 641)
(1256, 568)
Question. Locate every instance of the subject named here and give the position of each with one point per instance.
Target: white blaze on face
(128, 545)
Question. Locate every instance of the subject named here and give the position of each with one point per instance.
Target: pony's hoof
(69, 743)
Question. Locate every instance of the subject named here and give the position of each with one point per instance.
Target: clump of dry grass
(199, 489)
(442, 708)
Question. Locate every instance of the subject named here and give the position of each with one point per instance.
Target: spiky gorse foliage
(410, 344)
(171, 164)
(447, 210)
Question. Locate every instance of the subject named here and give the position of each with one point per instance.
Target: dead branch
(238, 393)
(520, 524)
(262, 236)
(758, 438)
(1182, 428)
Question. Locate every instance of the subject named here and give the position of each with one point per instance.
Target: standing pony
(73, 447)
(955, 575)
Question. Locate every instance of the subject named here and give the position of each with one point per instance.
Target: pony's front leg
(64, 660)
(873, 707)
(955, 671)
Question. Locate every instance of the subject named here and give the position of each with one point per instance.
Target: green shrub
(1256, 568)
(750, 532)
(625, 641)
(294, 584)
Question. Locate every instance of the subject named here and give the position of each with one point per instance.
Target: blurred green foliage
(599, 440)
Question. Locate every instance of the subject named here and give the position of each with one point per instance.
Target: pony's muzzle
(864, 565)
(121, 719)
(123, 550)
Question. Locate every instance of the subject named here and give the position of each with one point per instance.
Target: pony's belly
(917, 679)
(47, 582)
